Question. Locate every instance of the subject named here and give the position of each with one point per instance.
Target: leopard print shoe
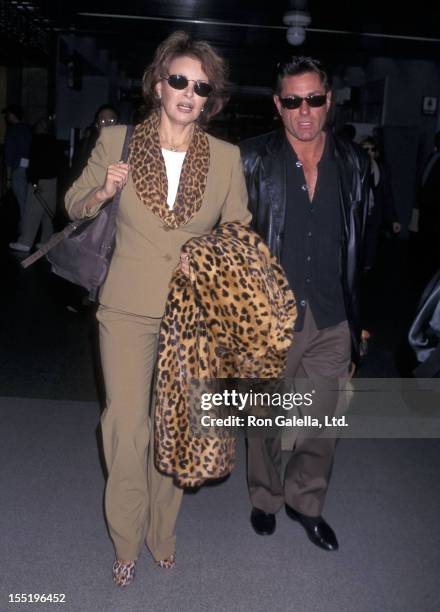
(168, 563)
(123, 572)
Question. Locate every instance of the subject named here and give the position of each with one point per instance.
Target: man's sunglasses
(179, 81)
(314, 101)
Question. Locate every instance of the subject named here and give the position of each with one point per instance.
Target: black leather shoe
(264, 523)
(318, 531)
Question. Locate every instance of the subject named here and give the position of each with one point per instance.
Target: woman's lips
(185, 107)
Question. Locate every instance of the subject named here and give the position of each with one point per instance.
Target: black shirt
(312, 241)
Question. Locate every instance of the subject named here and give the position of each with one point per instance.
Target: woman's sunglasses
(314, 101)
(179, 81)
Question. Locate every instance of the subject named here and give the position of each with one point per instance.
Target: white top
(173, 163)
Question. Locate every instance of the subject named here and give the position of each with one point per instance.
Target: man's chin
(307, 136)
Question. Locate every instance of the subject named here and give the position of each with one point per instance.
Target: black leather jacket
(265, 170)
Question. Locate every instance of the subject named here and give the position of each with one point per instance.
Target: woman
(105, 115)
(178, 183)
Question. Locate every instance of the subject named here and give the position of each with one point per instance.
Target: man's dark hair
(298, 65)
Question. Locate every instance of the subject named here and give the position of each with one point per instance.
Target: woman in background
(105, 116)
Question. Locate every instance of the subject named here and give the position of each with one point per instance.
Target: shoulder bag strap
(107, 243)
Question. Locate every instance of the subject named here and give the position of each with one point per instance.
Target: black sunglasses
(314, 101)
(180, 81)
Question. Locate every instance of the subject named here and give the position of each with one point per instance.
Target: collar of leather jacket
(351, 155)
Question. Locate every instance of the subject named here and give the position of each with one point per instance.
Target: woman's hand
(184, 263)
(115, 180)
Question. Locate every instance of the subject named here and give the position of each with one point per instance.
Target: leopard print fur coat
(232, 317)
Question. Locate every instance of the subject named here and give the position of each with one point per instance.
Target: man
(17, 145)
(308, 193)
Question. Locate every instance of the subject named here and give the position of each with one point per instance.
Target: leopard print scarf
(150, 178)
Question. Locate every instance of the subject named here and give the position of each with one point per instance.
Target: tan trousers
(323, 356)
(141, 504)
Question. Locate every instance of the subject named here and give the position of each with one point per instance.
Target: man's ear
(276, 101)
(329, 99)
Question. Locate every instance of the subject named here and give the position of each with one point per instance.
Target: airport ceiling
(250, 33)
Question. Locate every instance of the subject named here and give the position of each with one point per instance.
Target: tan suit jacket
(147, 251)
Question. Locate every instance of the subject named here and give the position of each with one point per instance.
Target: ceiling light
(297, 22)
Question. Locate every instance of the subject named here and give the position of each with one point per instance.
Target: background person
(105, 116)
(17, 146)
(381, 209)
(41, 201)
